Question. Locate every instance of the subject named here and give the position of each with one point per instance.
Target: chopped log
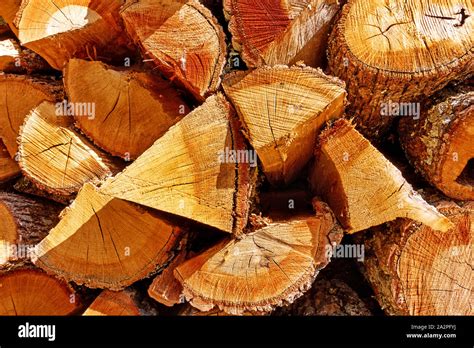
(110, 303)
(166, 289)
(192, 171)
(103, 242)
(8, 11)
(415, 270)
(62, 29)
(282, 110)
(270, 32)
(234, 275)
(17, 60)
(126, 103)
(56, 158)
(182, 38)
(20, 94)
(24, 222)
(399, 53)
(361, 186)
(439, 144)
(27, 291)
(8, 167)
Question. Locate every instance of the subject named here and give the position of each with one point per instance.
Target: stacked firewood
(218, 153)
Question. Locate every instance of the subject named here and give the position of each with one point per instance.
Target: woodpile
(214, 157)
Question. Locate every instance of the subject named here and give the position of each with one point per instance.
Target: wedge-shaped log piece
(8, 167)
(8, 11)
(55, 157)
(26, 291)
(24, 222)
(440, 144)
(182, 38)
(393, 54)
(417, 271)
(270, 32)
(131, 108)
(104, 242)
(361, 186)
(20, 94)
(196, 170)
(61, 29)
(111, 303)
(264, 269)
(282, 110)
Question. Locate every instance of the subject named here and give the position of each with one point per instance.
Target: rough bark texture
(401, 52)
(440, 144)
(417, 271)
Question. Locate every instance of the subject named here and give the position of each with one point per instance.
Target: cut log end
(398, 53)
(122, 242)
(32, 292)
(362, 187)
(196, 57)
(282, 109)
(418, 271)
(192, 170)
(55, 157)
(121, 104)
(233, 275)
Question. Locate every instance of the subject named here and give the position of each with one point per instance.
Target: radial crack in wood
(361, 186)
(104, 242)
(440, 144)
(418, 271)
(182, 38)
(55, 157)
(59, 30)
(394, 54)
(282, 110)
(267, 268)
(198, 170)
(270, 32)
(28, 291)
(125, 102)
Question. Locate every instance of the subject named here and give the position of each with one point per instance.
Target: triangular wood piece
(196, 170)
(125, 102)
(264, 269)
(418, 271)
(362, 187)
(104, 242)
(62, 29)
(282, 110)
(182, 38)
(55, 157)
(20, 94)
(8, 11)
(111, 303)
(270, 32)
(27, 291)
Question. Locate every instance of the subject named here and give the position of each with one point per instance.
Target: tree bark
(439, 144)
